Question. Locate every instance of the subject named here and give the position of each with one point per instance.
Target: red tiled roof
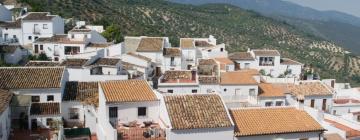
(45, 109)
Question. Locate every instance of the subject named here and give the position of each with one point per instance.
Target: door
(33, 124)
(189, 67)
(312, 103)
(324, 105)
(36, 48)
(237, 66)
(6, 36)
(158, 71)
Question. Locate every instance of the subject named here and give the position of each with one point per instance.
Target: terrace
(179, 77)
(137, 131)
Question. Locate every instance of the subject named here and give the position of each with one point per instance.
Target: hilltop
(239, 29)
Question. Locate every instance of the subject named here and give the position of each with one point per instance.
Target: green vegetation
(239, 29)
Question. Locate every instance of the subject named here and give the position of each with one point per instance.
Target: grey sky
(347, 6)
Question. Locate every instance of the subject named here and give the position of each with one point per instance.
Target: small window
(113, 112)
(170, 91)
(74, 113)
(252, 92)
(14, 36)
(41, 47)
(36, 37)
(29, 37)
(50, 98)
(72, 36)
(85, 36)
(142, 111)
(268, 103)
(194, 91)
(225, 89)
(48, 121)
(45, 26)
(35, 99)
(279, 103)
(221, 49)
(209, 50)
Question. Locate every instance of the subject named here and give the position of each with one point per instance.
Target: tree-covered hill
(239, 29)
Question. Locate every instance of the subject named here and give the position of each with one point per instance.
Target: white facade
(84, 75)
(225, 133)
(188, 58)
(179, 88)
(5, 123)
(235, 95)
(272, 101)
(213, 52)
(320, 102)
(33, 29)
(172, 63)
(5, 14)
(11, 35)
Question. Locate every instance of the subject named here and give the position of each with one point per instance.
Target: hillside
(239, 29)
(336, 26)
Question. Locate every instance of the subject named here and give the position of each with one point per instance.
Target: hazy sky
(346, 6)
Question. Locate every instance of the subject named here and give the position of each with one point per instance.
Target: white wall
(11, 32)
(43, 93)
(342, 109)
(65, 110)
(5, 14)
(233, 93)
(252, 64)
(214, 52)
(5, 123)
(104, 130)
(319, 101)
(290, 136)
(263, 100)
(178, 88)
(188, 57)
(225, 133)
(176, 66)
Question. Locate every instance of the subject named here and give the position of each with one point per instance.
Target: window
(334, 112)
(71, 50)
(113, 112)
(252, 92)
(221, 49)
(14, 36)
(194, 91)
(279, 103)
(48, 121)
(29, 37)
(142, 111)
(35, 99)
(170, 91)
(312, 103)
(247, 65)
(172, 61)
(85, 36)
(36, 37)
(268, 103)
(209, 50)
(225, 89)
(41, 47)
(358, 118)
(45, 26)
(72, 36)
(324, 105)
(74, 113)
(50, 98)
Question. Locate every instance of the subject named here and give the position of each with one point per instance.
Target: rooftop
(270, 90)
(203, 43)
(350, 132)
(241, 56)
(38, 16)
(42, 64)
(99, 45)
(175, 76)
(86, 92)
(238, 77)
(74, 63)
(151, 44)
(139, 56)
(265, 121)
(310, 89)
(345, 101)
(172, 52)
(45, 108)
(5, 98)
(58, 39)
(266, 53)
(106, 62)
(186, 43)
(223, 62)
(82, 30)
(31, 77)
(125, 91)
(208, 80)
(197, 111)
(16, 24)
(207, 62)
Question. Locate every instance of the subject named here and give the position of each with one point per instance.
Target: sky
(346, 6)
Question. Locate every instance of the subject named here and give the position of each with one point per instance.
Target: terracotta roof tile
(266, 53)
(30, 77)
(186, 43)
(13, 25)
(264, 121)
(241, 56)
(41, 64)
(224, 62)
(139, 56)
(172, 52)
(196, 111)
(207, 62)
(208, 80)
(350, 132)
(309, 89)
(74, 63)
(128, 91)
(45, 109)
(270, 90)
(5, 98)
(151, 44)
(287, 61)
(86, 92)
(175, 75)
(106, 62)
(38, 16)
(63, 39)
(75, 30)
(238, 77)
(345, 101)
(203, 43)
(99, 45)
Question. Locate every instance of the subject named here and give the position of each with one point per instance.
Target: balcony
(136, 131)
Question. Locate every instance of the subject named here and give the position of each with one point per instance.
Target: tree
(112, 33)
(42, 57)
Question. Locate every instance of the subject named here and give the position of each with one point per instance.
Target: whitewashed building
(40, 24)
(5, 120)
(42, 85)
(172, 59)
(209, 117)
(11, 32)
(179, 82)
(286, 123)
(272, 95)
